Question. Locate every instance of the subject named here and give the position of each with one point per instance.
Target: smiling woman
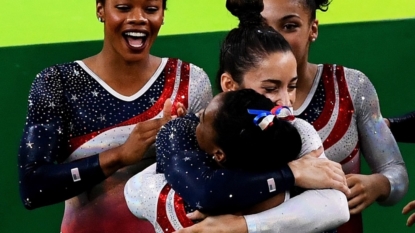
(91, 123)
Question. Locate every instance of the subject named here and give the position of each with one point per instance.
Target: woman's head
(130, 26)
(296, 21)
(229, 132)
(256, 56)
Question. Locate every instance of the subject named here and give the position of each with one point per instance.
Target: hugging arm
(202, 184)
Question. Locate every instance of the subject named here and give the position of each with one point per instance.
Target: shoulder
(56, 71)
(309, 136)
(194, 70)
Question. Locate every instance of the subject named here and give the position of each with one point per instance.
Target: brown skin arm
(140, 139)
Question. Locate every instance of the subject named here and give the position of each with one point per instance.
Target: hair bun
(322, 5)
(247, 11)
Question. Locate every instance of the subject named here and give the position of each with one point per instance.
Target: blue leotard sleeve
(400, 126)
(201, 183)
(43, 179)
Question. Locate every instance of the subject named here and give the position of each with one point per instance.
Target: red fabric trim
(346, 110)
(76, 142)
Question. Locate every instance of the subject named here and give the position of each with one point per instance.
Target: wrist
(293, 166)
(110, 161)
(381, 183)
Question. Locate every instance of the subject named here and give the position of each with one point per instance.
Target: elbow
(27, 199)
(399, 182)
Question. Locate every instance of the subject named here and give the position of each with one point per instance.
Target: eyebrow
(290, 16)
(278, 82)
(274, 81)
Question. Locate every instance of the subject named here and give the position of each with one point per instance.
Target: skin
(293, 21)
(275, 77)
(409, 207)
(126, 69)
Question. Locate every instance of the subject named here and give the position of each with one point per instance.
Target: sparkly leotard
(343, 106)
(73, 116)
(196, 178)
(344, 109)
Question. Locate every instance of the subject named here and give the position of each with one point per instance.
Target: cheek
(292, 96)
(272, 96)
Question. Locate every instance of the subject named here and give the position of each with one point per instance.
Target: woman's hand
(410, 206)
(181, 110)
(366, 189)
(311, 172)
(141, 138)
(218, 224)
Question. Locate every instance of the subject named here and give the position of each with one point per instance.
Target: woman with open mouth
(91, 123)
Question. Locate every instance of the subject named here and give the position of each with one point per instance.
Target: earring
(313, 39)
(213, 157)
(100, 19)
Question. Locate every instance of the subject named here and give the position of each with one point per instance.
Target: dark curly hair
(245, 144)
(247, 45)
(314, 5)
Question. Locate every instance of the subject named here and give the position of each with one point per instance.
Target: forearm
(311, 211)
(49, 183)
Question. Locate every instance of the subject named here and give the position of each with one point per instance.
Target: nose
(136, 16)
(284, 99)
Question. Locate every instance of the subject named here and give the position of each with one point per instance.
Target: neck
(125, 77)
(306, 74)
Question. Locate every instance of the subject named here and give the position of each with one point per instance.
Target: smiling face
(131, 26)
(275, 77)
(293, 20)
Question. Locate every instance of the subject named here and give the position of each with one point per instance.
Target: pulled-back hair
(314, 5)
(164, 3)
(247, 45)
(245, 144)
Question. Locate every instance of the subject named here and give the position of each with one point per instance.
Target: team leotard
(73, 116)
(196, 179)
(343, 106)
(344, 109)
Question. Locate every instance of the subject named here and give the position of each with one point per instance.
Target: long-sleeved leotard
(73, 116)
(401, 125)
(185, 165)
(205, 187)
(344, 108)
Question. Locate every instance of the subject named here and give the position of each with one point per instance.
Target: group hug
(132, 142)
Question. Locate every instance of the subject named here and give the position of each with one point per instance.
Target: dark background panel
(384, 51)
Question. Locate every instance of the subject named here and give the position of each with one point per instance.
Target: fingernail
(189, 215)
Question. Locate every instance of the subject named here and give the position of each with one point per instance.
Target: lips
(135, 40)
